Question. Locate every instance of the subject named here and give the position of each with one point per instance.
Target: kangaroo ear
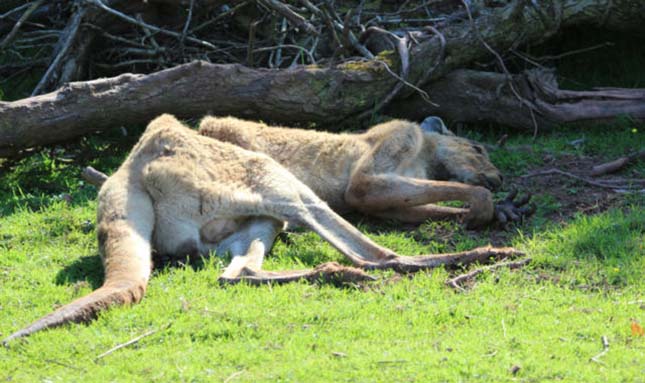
(434, 124)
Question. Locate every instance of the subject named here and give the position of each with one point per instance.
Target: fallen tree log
(309, 93)
(194, 89)
(476, 96)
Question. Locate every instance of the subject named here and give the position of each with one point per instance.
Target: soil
(573, 196)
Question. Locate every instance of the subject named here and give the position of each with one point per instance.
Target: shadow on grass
(89, 269)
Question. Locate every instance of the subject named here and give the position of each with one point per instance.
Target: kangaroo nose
(493, 181)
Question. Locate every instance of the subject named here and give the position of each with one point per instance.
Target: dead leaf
(637, 330)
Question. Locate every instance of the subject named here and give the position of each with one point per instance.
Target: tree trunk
(312, 94)
(475, 96)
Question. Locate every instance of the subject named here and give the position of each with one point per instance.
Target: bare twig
(131, 342)
(332, 30)
(312, 8)
(353, 41)
(613, 185)
(219, 17)
(605, 349)
(251, 42)
(346, 29)
(574, 52)
(143, 24)
(233, 376)
(184, 31)
(310, 52)
(291, 46)
(116, 38)
(67, 37)
(457, 281)
(616, 165)
(283, 35)
(402, 49)
(12, 11)
(23, 18)
(94, 176)
(502, 141)
(294, 19)
(404, 54)
(149, 35)
(54, 361)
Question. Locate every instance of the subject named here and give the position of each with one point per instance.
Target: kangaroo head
(458, 159)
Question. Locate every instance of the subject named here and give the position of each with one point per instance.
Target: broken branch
(14, 31)
(294, 19)
(616, 165)
(143, 24)
(131, 342)
(459, 280)
(94, 177)
(615, 185)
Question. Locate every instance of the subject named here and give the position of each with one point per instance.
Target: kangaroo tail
(125, 223)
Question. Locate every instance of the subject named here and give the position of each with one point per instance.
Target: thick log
(475, 96)
(303, 94)
(189, 90)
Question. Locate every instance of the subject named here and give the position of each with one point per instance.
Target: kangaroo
(182, 193)
(394, 170)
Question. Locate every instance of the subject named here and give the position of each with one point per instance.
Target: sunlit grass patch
(600, 251)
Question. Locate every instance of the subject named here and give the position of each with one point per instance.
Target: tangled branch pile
(293, 61)
(85, 39)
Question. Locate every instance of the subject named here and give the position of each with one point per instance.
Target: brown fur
(179, 192)
(378, 172)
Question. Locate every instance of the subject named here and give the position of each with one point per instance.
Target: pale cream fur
(395, 169)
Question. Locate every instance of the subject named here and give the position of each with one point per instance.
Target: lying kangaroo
(182, 193)
(395, 170)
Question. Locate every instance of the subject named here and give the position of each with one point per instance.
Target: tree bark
(305, 94)
(475, 96)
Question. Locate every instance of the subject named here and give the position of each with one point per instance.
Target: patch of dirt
(565, 196)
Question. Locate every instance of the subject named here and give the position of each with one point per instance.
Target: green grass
(586, 281)
(548, 319)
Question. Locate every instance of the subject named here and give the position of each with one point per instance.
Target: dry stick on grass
(233, 376)
(615, 185)
(616, 165)
(131, 342)
(93, 176)
(54, 361)
(457, 281)
(605, 349)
